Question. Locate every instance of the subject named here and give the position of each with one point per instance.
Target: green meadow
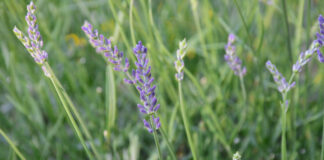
(223, 118)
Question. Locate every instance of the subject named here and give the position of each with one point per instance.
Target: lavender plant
(179, 65)
(140, 77)
(320, 40)
(284, 87)
(114, 60)
(235, 63)
(34, 43)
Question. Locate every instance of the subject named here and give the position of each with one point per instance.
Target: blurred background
(30, 111)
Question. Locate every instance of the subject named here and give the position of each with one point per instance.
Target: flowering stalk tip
(34, 42)
(283, 85)
(179, 64)
(237, 156)
(142, 78)
(232, 59)
(103, 46)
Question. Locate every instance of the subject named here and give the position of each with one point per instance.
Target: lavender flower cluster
(34, 41)
(179, 64)
(316, 46)
(142, 78)
(320, 38)
(232, 59)
(103, 45)
(303, 59)
(283, 85)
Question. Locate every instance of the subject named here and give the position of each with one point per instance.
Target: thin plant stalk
(194, 6)
(287, 28)
(243, 88)
(283, 130)
(244, 24)
(186, 123)
(57, 84)
(113, 11)
(12, 145)
(322, 153)
(110, 99)
(67, 110)
(284, 110)
(156, 138)
(131, 26)
(244, 109)
(170, 148)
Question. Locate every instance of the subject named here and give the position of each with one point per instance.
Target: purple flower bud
(320, 56)
(147, 125)
(232, 59)
(144, 84)
(103, 46)
(34, 41)
(281, 82)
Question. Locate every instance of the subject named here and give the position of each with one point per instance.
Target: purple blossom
(232, 59)
(320, 38)
(34, 42)
(103, 46)
(316, 46)
(143, 80)
(282, 84)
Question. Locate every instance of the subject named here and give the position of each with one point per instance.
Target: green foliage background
(30, 112)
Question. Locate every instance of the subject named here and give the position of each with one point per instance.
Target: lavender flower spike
(34, 42)
(143, 80)
(103, 46)
(283, 85)
(316, 46)
(232, 59)
(320, 38)
(179, 64)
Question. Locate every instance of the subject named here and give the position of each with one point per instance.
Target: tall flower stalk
(140, 78)
(34, 43)
(179, 65)
(114, 60)
(12, 145)
(320, 39)
(284, 86)
(235, 63)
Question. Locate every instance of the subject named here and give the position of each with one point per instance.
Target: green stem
(186, 123)
(283, 129)
(284, 110)
(243, 110)
(245, 25)
(170, 148)
(110, 99)
(67, 110)
(194, 6)
(243, 88)
(12, 145)
(73, 108)
(155, 137)
(113, 11)
(322, 153)
(131, 26)
(287, 29)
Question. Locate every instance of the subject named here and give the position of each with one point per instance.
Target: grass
(31, 114)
